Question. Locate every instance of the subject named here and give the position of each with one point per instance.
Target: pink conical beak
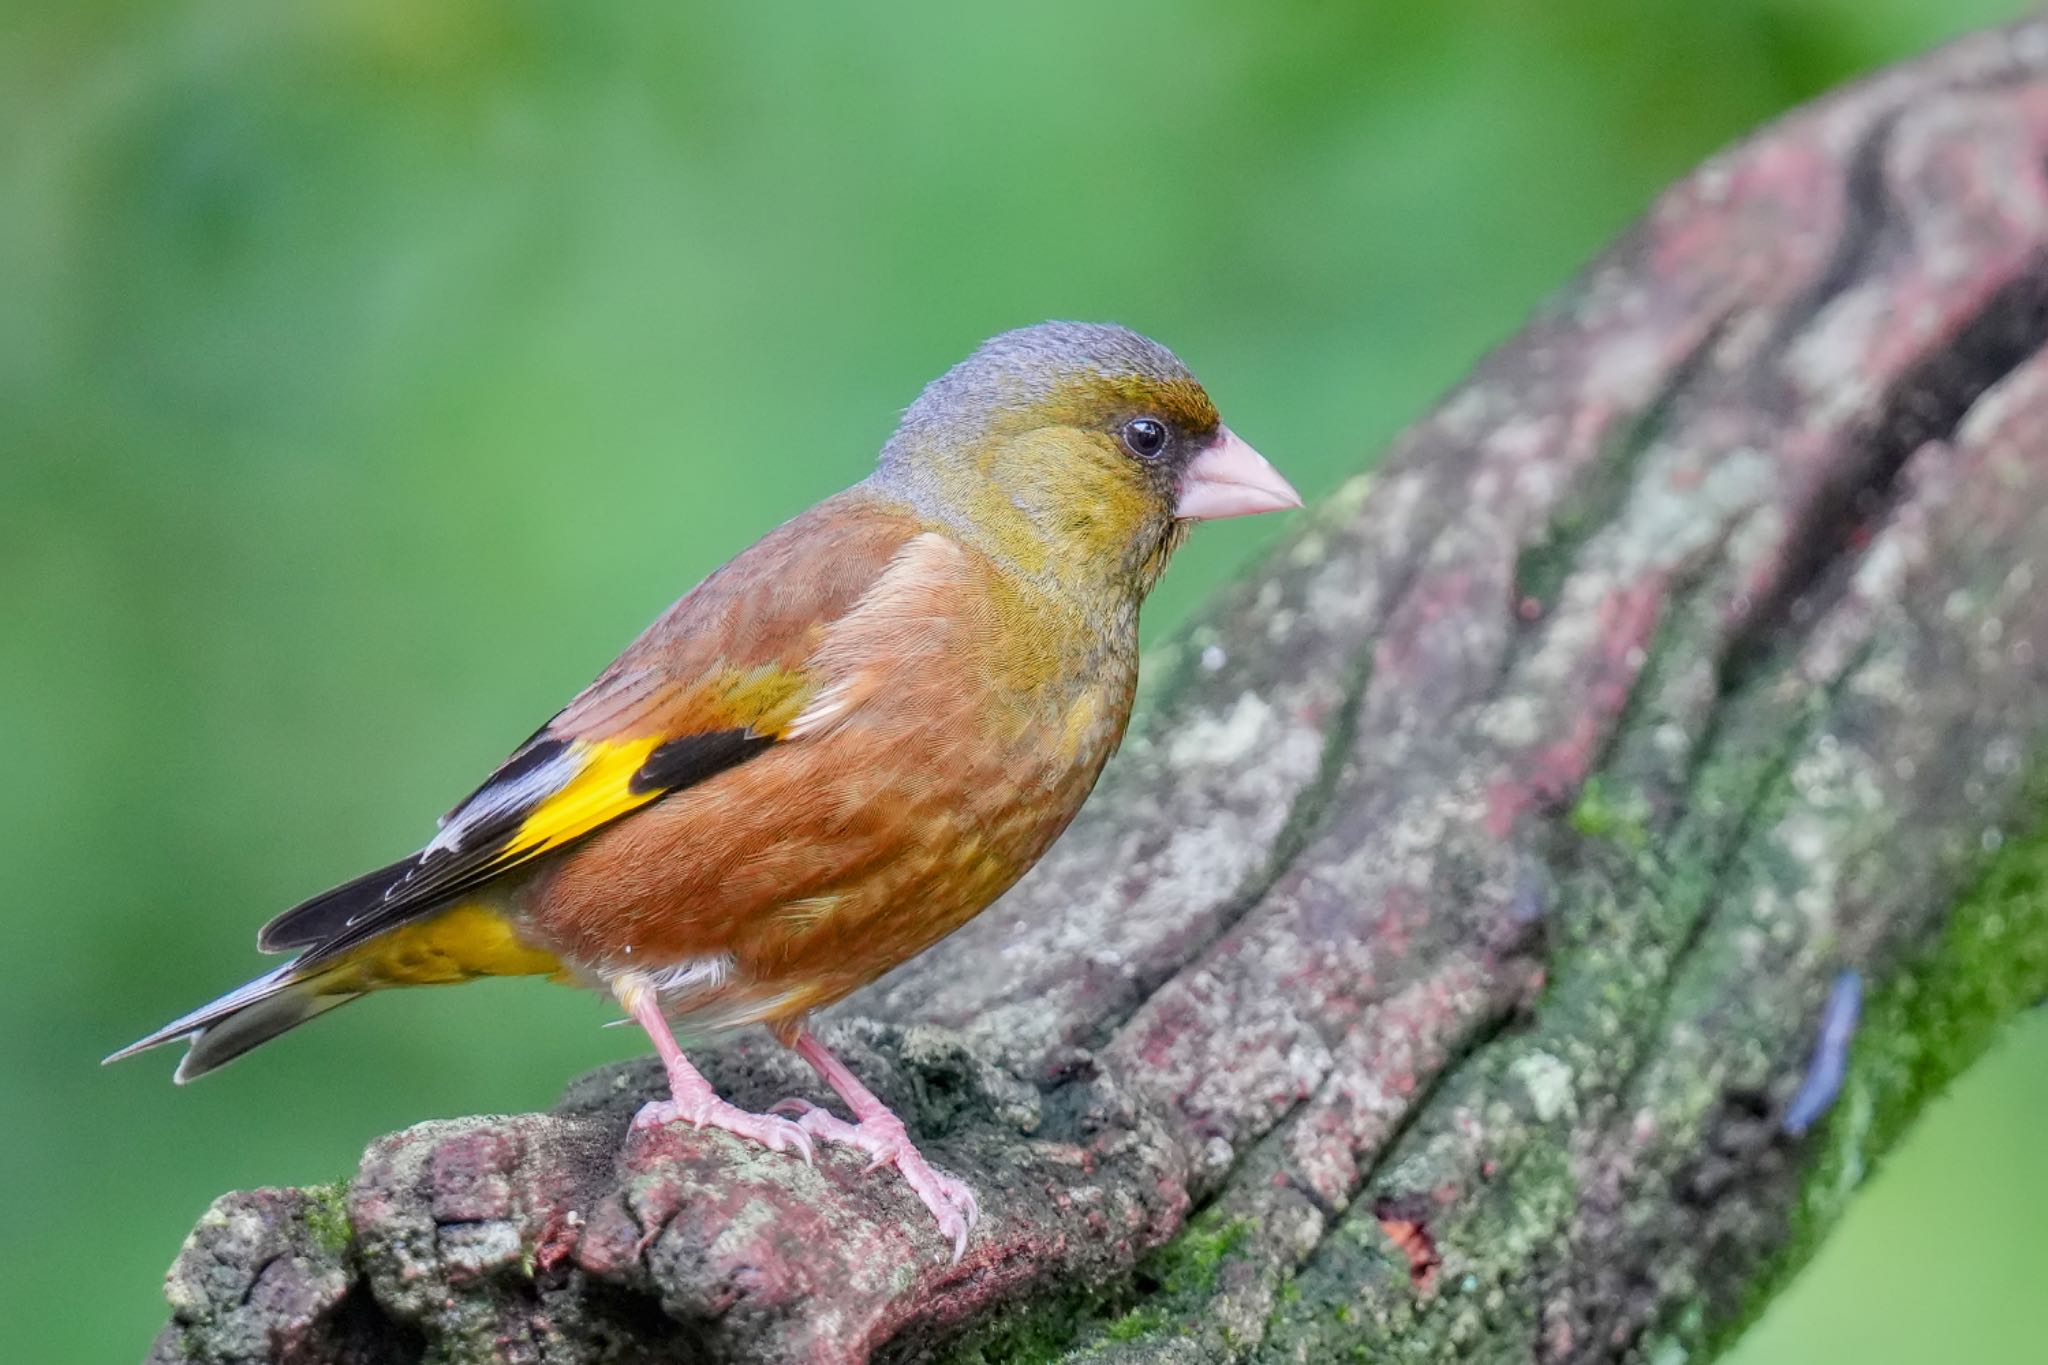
(1230, 479)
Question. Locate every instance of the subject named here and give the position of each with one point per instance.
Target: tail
(459, 943)
(244, 1018)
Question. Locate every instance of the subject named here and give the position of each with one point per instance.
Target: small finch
(835, 750)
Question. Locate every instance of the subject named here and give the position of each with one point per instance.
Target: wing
(722, 676)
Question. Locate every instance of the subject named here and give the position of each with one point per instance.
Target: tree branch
(1435, 968)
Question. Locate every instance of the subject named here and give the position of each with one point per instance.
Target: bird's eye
(1144, 437)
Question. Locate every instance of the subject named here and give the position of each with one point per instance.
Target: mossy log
(1459, 959)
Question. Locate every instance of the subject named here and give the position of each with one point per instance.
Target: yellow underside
(457, 944)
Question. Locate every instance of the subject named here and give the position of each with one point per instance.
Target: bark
(1436, 973)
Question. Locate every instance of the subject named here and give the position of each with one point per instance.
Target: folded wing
(720, 678)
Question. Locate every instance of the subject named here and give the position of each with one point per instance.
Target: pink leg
(690, 1096)
(878, 1132)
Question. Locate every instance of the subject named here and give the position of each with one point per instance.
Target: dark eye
(1144, 437)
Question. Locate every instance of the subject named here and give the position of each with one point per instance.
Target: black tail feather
(242, 1019)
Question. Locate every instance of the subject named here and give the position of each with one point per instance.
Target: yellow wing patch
(758, 702)
(551, 795)
(601, 791)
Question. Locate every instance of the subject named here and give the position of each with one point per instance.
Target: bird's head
(1075, 451)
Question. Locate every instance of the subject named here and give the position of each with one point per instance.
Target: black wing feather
(687, 761)
(335, 921)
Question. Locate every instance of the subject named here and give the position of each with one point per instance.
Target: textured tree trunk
(1458, 959)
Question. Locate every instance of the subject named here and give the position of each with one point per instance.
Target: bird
(836, 749)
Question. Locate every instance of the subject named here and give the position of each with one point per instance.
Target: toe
(961, 1197)
(956, 1228)
(951, 1203)
(882, 1136)
(827, 1126)
(776, 1134)
(654, 1114)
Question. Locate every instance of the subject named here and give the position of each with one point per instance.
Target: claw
(883, 1138)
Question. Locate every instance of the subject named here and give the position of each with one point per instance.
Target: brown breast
(959, 743)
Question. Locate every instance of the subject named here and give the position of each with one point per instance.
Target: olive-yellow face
(1080, 444)
(1139, 431)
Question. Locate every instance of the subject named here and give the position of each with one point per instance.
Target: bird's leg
(877, 1131)
(691, 1097)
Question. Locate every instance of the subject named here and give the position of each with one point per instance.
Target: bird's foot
(778, 1134)
(883, 1138)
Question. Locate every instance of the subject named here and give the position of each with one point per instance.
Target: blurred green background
(371, 370)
